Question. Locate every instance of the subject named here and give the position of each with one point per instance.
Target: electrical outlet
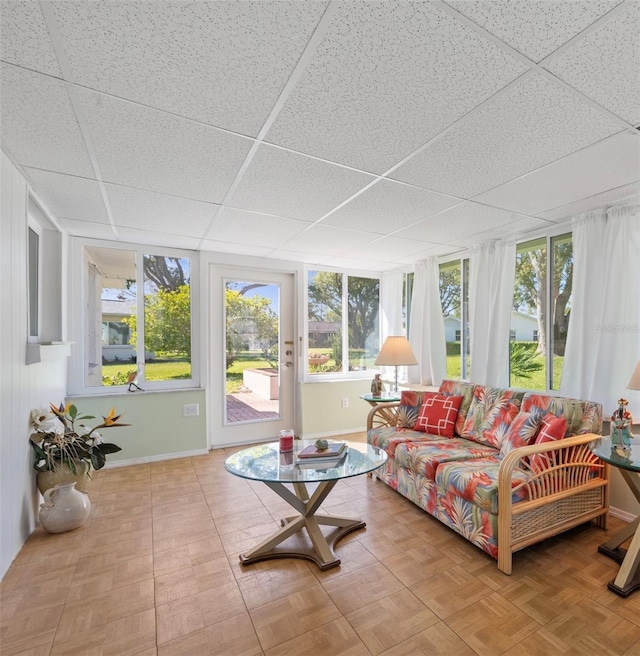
(345, 401)
(190, 410)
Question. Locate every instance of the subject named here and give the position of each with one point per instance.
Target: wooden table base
(302, 534)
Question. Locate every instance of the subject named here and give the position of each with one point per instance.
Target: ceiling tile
(611, 163)
(516, 228)
(69, 197)
(288, 184)
(38, 123)
(532, 124)
(88, 229)
(357, 264)
(605, 65)
(534, 29)
(328, 240)
(251, 228)
(161, 239)
(154, 212)
(224, 63)
(626, 193)
(388, 206)
(296, 256)
(148, 149)
(387, 77)
(460, 221)
(24, 38)
(389, 249)
(227, 247)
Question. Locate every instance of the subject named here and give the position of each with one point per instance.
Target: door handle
(288, 363)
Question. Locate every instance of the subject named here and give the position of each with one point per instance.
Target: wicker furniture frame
(568, 487)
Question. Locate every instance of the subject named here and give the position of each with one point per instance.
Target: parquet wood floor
(155, 572)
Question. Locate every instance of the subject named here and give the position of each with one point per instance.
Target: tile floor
(155, 572)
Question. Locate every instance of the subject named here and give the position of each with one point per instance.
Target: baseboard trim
(158, 458)
(621, 514)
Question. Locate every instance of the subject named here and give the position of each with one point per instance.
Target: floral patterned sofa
(482, 468)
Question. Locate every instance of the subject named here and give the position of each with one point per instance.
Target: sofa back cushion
(521, 432)
(438, 414)
(410, 403)
(582, 416)
(458, 388)
(491, 412)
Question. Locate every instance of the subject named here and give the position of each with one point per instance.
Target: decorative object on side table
(376, 386)
(621, 421)
(64, 508)
(65, 448)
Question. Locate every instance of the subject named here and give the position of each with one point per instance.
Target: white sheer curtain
(391, 321)
(491, 279)
(426, 327)
(603, 341)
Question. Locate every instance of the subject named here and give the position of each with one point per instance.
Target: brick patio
(247, 406)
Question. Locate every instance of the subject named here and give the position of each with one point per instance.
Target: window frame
(345, 374)
(34, 226)
(77, 380)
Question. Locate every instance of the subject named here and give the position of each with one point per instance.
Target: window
(342, 322)
(454, 290)
(542, 294)
(34, 264)
(128, 333)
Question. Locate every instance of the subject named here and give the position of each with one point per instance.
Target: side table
(628, 578)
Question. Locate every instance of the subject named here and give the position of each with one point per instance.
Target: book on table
(333, 451)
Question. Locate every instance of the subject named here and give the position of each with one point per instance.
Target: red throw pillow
(553, 428)
(438, 415)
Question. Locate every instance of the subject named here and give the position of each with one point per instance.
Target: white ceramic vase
(64, 508)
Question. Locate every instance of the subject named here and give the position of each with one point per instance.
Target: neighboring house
(116, 333)
(320, 333)
(524, 328)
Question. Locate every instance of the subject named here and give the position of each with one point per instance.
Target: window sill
(43, 352)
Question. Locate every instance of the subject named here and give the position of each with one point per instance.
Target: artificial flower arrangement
(60, 438)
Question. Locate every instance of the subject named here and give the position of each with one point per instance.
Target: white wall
(23, 387)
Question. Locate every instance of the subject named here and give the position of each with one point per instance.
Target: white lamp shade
(634, 383)
(396, 351)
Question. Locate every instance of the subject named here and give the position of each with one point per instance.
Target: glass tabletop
(265, 463)
(603, 448)
(385, 397)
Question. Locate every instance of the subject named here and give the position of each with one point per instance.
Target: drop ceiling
(365, 135)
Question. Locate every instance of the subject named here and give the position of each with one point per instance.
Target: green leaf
(98, 460)
(106, 447)
(73, 411)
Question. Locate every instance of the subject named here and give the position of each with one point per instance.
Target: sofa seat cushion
(582, 416)
(490, 415)
(387, 438)
(477, 481)
(424, 456)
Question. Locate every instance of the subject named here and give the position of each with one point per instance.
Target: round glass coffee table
(301, 535)
(628, 464)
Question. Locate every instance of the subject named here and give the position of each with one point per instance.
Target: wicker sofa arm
(567, 486)
(383, 414)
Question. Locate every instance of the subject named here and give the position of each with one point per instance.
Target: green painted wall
(157, 425)
(321, 407)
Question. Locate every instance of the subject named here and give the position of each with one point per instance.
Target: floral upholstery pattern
(424, 457)
(582, 416)
(387, 438)
(458, 388)
(477, 481)
(492, 411)
(410, 403)
(521, 432)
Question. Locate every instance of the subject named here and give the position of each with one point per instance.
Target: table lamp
(634, 383)
(395, 352)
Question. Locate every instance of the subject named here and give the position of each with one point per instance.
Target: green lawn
(174, 368)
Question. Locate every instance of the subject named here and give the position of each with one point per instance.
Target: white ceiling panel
(466, 219)
(291, 185)
(605, 65)
(297, 256)
(625, 194)
(70, 197)
(535, 28)
(24, 37)
(389, 249)
(228, 247)
(611, 163)
(532, 124)
(359, 265)
(517, 227)
(387, 77)
(145, 210)
(250, 228)
(224, 63)
(88, 229)
(38, 123)
(388, 206)
(148, 149)
(328, 240)
(437, 251)
(161, 239)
